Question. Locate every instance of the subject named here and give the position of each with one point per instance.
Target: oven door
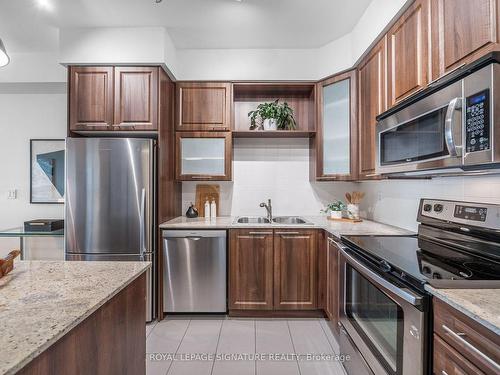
(385, 321)
(423, 136)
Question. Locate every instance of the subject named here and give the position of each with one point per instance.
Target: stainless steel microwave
(455, 129)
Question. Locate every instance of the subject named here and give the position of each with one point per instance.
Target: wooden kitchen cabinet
(203, 156)
(251, 269)
(90, 98)
(335, 147)
(273, 270)
(408, 53)
(295, 270)
(371, 103)
(462, 345)
(462, 31)
(113, 98)
(136, 98)
(203, 106)
(332, 284)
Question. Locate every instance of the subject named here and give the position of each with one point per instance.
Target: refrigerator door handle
(142, 224)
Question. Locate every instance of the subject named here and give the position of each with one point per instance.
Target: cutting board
(345, 219)
(202, 192)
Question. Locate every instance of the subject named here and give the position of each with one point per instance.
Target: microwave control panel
(477, 122)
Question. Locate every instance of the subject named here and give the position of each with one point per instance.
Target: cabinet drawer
(475, 342)
(447, 361)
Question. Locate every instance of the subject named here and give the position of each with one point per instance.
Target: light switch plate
(12, 194)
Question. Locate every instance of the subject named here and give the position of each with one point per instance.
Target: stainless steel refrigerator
(111, 203)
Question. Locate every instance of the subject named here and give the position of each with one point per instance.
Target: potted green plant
(273, 116)
(335, 208)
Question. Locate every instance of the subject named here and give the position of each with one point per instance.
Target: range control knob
(438, 207)
(427, 207)
(384, 266)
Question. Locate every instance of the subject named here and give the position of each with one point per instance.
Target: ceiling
(32, 25)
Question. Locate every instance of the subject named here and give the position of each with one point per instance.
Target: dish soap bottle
(213, 209)
(207, 209)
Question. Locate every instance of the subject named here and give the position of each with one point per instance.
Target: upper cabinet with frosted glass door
(203, 156)
(335, 144)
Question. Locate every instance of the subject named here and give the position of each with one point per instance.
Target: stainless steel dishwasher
(194, 271)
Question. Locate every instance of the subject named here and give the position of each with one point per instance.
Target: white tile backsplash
(396, 202)
(271, 168)
(279, 169)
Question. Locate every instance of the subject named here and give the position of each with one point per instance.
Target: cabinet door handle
(292, 233)
(459, 338)
(260, 233)
(443, 372)
(201, 177)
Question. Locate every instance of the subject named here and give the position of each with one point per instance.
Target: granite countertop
(40, 301)
(482, 305)
(336, 228)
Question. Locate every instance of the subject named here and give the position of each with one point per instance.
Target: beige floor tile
(273, 336)
(234, 368)
(309, 337)
(237, 336)
(201, 336)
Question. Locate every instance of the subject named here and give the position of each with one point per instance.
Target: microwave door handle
(449, 127)
(403, 293)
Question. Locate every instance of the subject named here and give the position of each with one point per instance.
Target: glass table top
(20, 232)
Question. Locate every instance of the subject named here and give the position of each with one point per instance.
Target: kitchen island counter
(41, 302)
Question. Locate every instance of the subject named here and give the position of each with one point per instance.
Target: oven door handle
(403, 293)
(449, 128)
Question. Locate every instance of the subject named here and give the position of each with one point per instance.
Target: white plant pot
(353, 211)
(270, 124)
(336, 214)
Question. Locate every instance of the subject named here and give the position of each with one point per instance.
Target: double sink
(287, 220)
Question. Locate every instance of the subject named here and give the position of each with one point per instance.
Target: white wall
(33, 67)
(271, 168)
(27, 111)
(396, 201)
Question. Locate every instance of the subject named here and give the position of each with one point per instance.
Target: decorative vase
(192, 212)
(270, 124)
(353, 211)
(336, 214)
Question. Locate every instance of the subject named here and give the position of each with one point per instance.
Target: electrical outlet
(12, 194)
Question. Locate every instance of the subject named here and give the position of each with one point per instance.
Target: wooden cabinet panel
(469, 338)
(408, 51)
(111, 341)
(90, 98)
(449, 361)
(462, 31)
(295, 270)
(332, 302)
(136, 98)
(335, 148)
(251, 269)
(372, 102)
(203, 106)
(203, 156)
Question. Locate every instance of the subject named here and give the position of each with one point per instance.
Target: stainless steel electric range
(385, 309)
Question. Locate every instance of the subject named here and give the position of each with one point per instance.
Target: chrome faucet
(269, 209)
